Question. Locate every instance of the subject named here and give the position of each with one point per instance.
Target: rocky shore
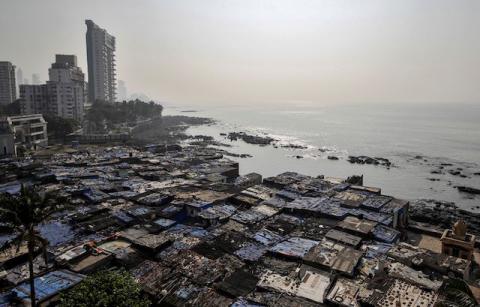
(442, 166)
(443, 214)
(370, 160)
(250, 139)
(168, 129)
(460, 177)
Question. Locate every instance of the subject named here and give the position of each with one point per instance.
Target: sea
(433, 147)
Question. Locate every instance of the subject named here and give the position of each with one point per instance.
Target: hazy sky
(264, 51)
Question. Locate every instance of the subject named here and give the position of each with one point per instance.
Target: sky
(263, 51)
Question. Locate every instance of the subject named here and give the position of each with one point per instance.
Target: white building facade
(29, 131)
(101, 64)
(64, 95)
(67, 88)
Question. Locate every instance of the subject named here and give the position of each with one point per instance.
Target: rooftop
(291, 240)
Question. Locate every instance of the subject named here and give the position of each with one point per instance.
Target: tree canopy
(59, 127)
(11, 108)
(122, 112)
(22, 213)
(105, 289)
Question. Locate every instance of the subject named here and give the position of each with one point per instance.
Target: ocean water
(440, 134)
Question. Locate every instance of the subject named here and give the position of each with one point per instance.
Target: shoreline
(452, 175)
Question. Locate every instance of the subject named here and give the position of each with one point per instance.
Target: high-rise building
(122, 91)
(8, 88)
(66, 87)
(35, 79)
(34, 99)
(19, 78)
(64, 95)
(101, 63)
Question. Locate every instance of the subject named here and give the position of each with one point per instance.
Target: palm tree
(23, 213)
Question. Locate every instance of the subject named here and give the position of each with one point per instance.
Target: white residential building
(28, 130)
(101, 64)
(64, 95)
(122, 91)
(67, 87)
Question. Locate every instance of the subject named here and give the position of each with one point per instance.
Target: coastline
(409, 175)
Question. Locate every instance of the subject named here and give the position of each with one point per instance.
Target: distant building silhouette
(35, 79)
(122, 91)
(34, 99)
(64, 95)
(8, 88)
(101, 63)
(19, 79)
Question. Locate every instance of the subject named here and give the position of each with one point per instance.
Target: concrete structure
(19, 78)
(34, 99)
(101, 63)
(8, 89)
(122, 90)
(35, 79)
(457, 242)
(64, 95)
(67, 88)
(29, 130)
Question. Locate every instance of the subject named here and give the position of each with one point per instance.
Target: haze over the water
(270, 51)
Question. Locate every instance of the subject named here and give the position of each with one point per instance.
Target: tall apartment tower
(101, 63)
(19, 78)
(8, 88)
(67, 89)
(122, 91)
(64, 95)
(35, 79)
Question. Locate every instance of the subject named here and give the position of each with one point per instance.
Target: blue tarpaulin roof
(294, 247)
(377, 250)
(385, 234)
(251, 251)
(197, 232)
(165, 223)
(376, 202)
(372, 216)
(333, 208)
(48, 285)
(267, 237)
(56, 232)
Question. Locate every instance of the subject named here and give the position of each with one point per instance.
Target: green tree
(22, 213)
(122, 112)
(60, 127)
(11, 108)
(105, 289)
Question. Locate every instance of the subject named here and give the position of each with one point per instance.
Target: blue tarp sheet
(48, 285)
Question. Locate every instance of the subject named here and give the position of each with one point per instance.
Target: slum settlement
(192, 232)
